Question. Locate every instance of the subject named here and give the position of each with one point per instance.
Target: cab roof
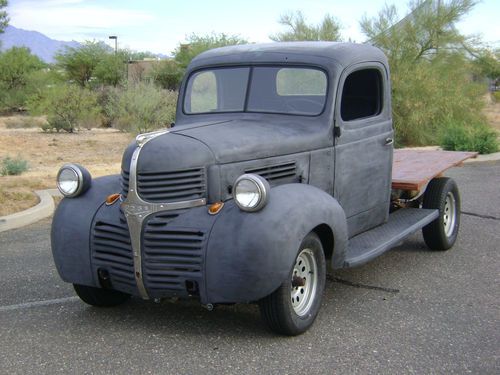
(344, 54)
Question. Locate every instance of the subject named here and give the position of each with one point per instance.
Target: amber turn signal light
(215, 208)
(112, 199)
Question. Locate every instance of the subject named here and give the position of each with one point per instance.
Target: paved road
(430, 313)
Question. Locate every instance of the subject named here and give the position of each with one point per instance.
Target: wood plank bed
(413, 169)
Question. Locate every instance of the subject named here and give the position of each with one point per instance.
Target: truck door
(363, 146)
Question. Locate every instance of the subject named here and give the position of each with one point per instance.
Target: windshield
(287, 90)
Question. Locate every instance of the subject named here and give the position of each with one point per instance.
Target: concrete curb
(488, 157)
(42, 210)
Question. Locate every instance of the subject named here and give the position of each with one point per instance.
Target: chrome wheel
(449, 214)
(304, 282)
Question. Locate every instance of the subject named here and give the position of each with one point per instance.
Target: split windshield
(287, 90)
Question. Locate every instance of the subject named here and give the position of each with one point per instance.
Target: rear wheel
(293, 307)
(100, 297)
(442, 194)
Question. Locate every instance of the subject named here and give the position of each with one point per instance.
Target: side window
(361, 95)
(203, 92)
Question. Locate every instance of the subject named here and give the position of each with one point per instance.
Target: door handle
(389, 141)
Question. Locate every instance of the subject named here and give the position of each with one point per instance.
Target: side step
(402, 223)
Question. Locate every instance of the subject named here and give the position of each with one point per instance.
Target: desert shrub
(141, 108)
(478, 137)
(496, 96)
(106, 99)
(13, 166)
(68, 107)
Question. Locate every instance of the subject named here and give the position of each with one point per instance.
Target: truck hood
(248, 139)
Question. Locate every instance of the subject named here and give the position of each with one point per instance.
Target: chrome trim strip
(137, 210)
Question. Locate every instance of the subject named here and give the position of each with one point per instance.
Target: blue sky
(158, 26)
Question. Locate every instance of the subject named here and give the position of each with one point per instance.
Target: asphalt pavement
(410, 311)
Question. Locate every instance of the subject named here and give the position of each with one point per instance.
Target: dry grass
(99, 150)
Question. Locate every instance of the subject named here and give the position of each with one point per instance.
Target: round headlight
(250, 192)
(73, 180)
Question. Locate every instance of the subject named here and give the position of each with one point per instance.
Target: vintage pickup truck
(280, 161)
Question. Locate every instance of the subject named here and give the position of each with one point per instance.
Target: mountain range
(41, 45)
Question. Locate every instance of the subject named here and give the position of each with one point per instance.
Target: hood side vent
(277, 173)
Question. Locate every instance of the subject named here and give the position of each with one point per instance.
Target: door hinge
(336, 131)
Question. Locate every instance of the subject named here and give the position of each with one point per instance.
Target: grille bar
(171, 256)
(168, 186)
(124, 182)
(112, 250)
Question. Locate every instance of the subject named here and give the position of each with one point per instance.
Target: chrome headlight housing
(250, 192)
(73, 180)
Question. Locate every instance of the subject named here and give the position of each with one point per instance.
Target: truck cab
(280, 162)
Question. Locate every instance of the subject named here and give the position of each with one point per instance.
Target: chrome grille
(172, 257)
(172, 186)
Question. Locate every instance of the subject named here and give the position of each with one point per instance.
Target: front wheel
(293, 307)
(100, 297)
(442, 194)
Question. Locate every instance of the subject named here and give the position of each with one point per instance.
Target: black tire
(100, 297)
(277, 310)
(442, 194)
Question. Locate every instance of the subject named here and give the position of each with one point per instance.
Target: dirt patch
(99, 150)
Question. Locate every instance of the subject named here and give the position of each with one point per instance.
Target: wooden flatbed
(413, 169)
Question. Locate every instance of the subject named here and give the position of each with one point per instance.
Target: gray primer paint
(247, 255)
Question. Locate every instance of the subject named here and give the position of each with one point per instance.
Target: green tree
(79, 63)
(4, 19)
(300, 30)
(196, 44)
(431, 69)
(167, 74)
(111, 69)
(17, 66)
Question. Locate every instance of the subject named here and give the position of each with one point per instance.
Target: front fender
(249, 255)
(71, 228)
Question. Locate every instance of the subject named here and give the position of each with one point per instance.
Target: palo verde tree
(432, 84)
(300, 30)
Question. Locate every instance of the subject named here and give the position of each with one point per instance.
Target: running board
(402, 223)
